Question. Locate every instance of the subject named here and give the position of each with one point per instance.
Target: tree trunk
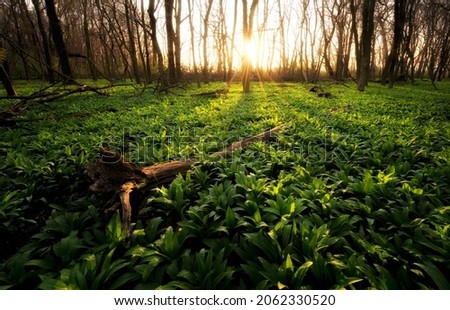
(157, 54)
(59, 40)
(168, 5)
(6, 81)
(366, 42)
(148, 70)
(177, 42)
(20, 40)
(205, 69)
(353, 11)
(248, 31)
(45, 43)
(327, 37)
(399, 24)
(132, 44)
(87, 41)
(231, 50)
(191, 27)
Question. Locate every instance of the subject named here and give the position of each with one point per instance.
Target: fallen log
(113, 173)
(212, 94)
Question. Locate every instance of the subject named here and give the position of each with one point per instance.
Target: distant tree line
(172, 40)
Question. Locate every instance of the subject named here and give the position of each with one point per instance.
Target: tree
(87, 39)
(157, 54)
(327, 37)
(368, 9)
(4, 76)
(231, 47)
(399, 24)
(247, 33)
(169, 7)
(132, 44)
(177, 42)
(205, 69)
(146, 56)
(58, 39)
(354, 7)
(45, 40)
(191, 27)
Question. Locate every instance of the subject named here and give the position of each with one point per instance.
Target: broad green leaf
(437, 276)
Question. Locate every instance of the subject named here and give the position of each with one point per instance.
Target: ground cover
(353, 194)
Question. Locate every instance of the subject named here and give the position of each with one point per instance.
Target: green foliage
(353, 194)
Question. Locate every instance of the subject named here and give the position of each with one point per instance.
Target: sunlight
(251, 51)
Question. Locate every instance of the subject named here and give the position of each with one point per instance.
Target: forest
(225, 144)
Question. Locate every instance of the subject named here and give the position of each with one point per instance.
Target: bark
(368, 10)
(177, 40)
(233, 36)
(399, 24)
(157, 54)
(353, 11)
(113, 173)
(327, 36)
(6, 81)
(87, 41)
(191, 27)
(248, 31)
(132, 44)
(20, 40)
(169, 6)
(58, 39)
(205, 69)
(148, 70)
(45, 41)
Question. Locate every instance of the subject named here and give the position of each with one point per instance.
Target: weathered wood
(125, 192)
(113, 173)
(211, 94)
(267, 135)
(160, 174)
(7, 83)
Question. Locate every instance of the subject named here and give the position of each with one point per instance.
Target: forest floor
(354, 193)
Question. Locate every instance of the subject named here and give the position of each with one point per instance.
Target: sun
(251, 51)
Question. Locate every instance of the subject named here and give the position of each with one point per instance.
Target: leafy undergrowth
(354, 194)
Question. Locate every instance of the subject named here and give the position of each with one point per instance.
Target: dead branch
(113, 173)
(212, 94)
(16, 121)
(41, 97)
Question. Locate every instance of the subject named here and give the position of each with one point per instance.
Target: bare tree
(131, 42)
(192, 30)
(87, 39)
(4, 76)
(145, 28)
(169, 7)
(368, 9)
(399, 24)
(247, 32)
(232, 43)
(327, 34)
(157, 54)
(177, 42)
(205, 69)
(58, 40)
(45, 40)
(354, 8)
